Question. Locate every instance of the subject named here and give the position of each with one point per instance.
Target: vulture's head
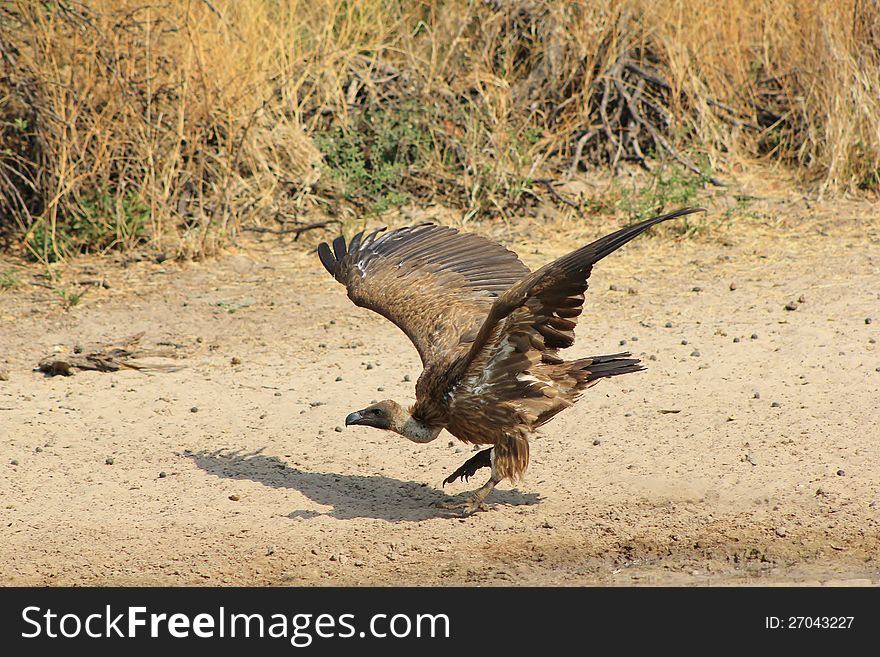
(391, 416)
(383, 415)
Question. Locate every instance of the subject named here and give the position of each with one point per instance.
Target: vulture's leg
(482, 459)
(476, 501)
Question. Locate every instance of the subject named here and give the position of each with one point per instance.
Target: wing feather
(526, 327)
(434, 283)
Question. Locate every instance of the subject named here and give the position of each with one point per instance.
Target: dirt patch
(747, 452)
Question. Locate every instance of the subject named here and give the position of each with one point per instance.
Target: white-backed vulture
(488, 332)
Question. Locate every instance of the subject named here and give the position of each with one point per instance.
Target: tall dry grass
(180, 121)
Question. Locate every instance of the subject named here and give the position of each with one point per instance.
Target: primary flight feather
(488, 332)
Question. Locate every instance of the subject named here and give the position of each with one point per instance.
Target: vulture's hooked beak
(372, 416)
(354, 418)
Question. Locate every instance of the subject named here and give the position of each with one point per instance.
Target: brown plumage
(488, 332)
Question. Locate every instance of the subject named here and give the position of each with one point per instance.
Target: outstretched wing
(434, 283)
(531, 321)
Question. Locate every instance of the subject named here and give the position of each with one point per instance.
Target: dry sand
(748, 454)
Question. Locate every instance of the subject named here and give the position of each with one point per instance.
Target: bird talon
(449, 505)
(470, 467)
(467, 507)
(471, 509)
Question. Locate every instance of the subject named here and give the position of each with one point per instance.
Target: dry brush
(183, 122)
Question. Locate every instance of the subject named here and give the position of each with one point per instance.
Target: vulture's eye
(376, 411)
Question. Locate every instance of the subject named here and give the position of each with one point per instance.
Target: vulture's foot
(467, 507)
(482, 459)
(476, 502)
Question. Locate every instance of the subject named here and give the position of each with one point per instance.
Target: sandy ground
(748, 452)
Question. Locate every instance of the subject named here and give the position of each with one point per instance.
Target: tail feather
(587, 370)
(573, 377)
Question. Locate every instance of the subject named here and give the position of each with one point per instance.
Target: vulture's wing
(535, 318)
(434, 283)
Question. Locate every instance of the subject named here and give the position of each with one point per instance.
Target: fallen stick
(290, 231)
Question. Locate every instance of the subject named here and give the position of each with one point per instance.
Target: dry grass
(183, 121)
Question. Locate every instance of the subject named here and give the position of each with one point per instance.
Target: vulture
(488, 331)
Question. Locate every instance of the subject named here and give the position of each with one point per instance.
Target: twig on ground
(548, 185)
(290, 231)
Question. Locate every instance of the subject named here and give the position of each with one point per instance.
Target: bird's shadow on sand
(351, 496)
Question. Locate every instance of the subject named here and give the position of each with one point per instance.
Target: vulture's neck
(409, 427)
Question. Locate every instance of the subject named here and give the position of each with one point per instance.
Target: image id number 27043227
(808, 622)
